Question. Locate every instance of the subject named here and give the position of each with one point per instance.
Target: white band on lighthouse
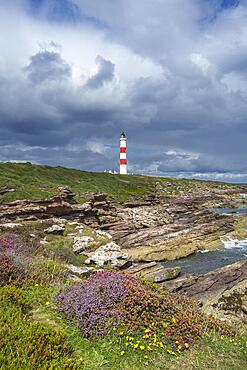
(123, 156)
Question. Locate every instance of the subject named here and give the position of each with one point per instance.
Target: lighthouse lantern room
(123, 157)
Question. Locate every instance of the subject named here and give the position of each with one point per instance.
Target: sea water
(205, 261)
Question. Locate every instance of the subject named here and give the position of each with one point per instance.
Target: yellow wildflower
(114, 329)
(171, 352)
(174, 320)
(146, 363)
(142, 348)
(186, 345)
(131, 338)
(147, 330)
(121, 333)
(222, 337)
(126, 344)
(152, 324)
(149, 348)
(47, 303)
(122, 353)
(135, 345)
(145, 356)
(36, 284)
(161, 345)
(179, 347)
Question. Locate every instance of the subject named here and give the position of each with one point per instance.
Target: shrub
(113, 301)
(12, 294)
(94, 303)
(18, 245)
(28, 345)
(10, 272)
(45, 271)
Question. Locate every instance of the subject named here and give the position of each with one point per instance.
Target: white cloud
(202, 63)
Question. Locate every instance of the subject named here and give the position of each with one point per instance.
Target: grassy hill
(39, 182)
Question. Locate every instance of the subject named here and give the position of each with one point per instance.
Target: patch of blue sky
(217, 8)
(229, 4)
(62, 11)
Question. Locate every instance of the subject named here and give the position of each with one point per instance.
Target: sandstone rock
(108, 253)
(103, 234)
(221, 292)
(55, 229)
(155, 272)
(81, 243)
(6, 190)
(81, 271)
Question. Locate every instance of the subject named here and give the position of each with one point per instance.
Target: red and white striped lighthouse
(123, 158)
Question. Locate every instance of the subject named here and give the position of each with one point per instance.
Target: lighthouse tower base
(123, 169)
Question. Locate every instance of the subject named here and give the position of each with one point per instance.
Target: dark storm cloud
(175, 83)
(105, 73)
(48, 66)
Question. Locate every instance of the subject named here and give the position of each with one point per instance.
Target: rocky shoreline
(154, 229)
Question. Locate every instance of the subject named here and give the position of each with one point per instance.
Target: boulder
(81, 271)
(155, 272)
(109, 253)
(81, 243)
(55, 229)
(79, 228)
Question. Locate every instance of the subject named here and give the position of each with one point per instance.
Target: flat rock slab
(221, 292)
(81, 271)
(55, 229)
(155, 272)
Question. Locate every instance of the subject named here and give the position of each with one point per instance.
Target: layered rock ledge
(222, 292)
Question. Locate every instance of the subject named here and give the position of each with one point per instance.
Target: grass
(210, 353)
(33, 334)
(39, 182)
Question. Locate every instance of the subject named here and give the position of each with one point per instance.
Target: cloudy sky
(171, 73)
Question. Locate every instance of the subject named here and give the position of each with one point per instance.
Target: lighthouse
(123, 158)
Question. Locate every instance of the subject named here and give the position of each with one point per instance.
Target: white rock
(108, 253)
(81, 243)
(55, 229)
(10, 225)
(82, 271)
(104, 234)
(79, 228)
(43, 242)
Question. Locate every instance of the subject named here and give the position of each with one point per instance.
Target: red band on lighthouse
(122, 149)
(123, 161)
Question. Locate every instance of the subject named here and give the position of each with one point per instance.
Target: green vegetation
(35, 335)
(39, 182)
